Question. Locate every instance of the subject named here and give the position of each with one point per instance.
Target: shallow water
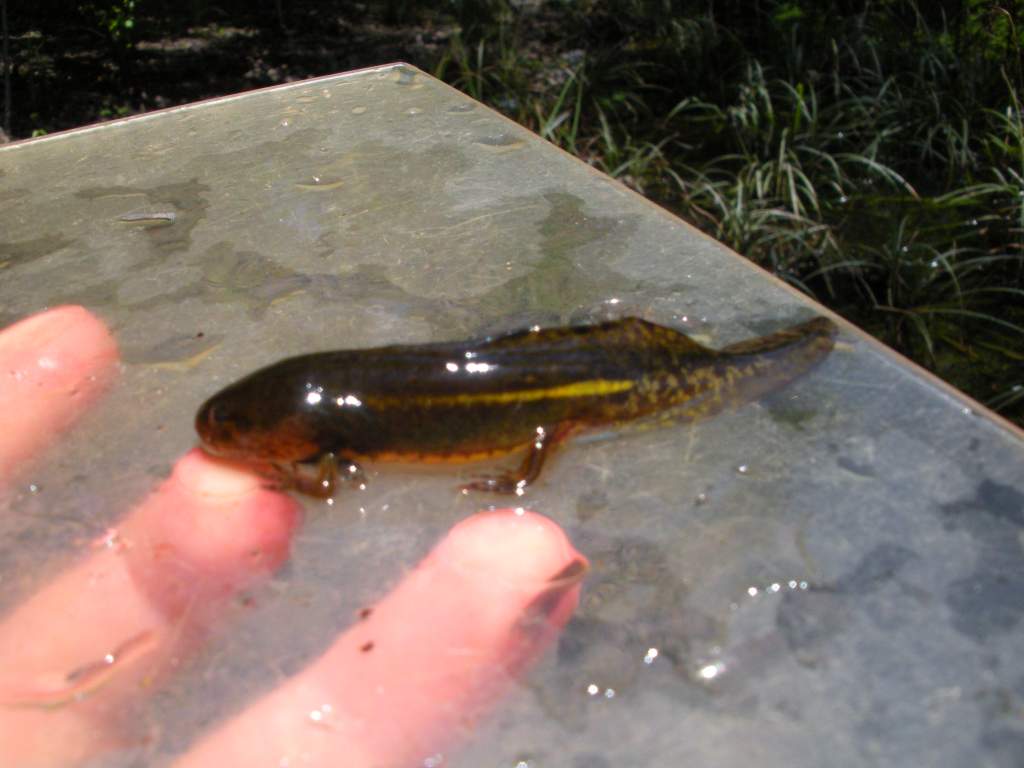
(830, 576)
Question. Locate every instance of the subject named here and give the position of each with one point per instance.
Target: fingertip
(237, 512)
(513, 546)
(53, 365)
(209, 528)
(231, 512)
(209, 478)
(65, 337)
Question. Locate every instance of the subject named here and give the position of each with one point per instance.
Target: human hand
(410, 677)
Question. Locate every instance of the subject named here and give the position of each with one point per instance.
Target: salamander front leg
(324, 481)
(515, 481)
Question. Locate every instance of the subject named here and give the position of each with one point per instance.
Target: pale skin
(117, 619)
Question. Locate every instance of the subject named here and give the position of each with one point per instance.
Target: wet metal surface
(831, 576)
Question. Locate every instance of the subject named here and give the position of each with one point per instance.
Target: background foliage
(870, 152)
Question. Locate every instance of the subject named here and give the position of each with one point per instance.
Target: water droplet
(500, 142)
(752, 591)
(650, 656)
(405, 76)
(904, 249)
(461, 108)
(320, 184)
(593, 690)
(843, 198)
(33, 488)
(284, 123)
(321, 715)
(702, 498)
(967, 411)
(742, 469)
(358, 110)
(111, 540)
(413, 111)
(711, 671)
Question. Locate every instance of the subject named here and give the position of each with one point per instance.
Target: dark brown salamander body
(473, 399)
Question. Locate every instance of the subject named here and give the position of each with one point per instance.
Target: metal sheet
(832, 576)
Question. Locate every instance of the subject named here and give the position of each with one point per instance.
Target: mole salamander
(468, 400)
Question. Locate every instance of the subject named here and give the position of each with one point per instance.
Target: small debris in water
(162, 217)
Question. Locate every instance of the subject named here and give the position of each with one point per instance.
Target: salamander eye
(218, 414)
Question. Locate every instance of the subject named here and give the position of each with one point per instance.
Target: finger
(52, 367)
(75, 655)
(426, 662)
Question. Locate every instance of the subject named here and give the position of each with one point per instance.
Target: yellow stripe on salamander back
(591, 388)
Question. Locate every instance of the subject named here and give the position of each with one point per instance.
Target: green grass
(874, 160)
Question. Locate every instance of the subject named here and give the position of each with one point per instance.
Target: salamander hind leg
(516, 480)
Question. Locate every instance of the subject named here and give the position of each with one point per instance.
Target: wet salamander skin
(472, 399)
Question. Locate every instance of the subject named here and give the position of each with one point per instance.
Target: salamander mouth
(235, 438)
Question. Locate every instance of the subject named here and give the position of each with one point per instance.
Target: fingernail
(573, 573)
(538, 612)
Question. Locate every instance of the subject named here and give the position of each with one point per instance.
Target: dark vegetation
(871, 153)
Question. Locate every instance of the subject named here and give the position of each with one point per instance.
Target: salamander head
(244, 429)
